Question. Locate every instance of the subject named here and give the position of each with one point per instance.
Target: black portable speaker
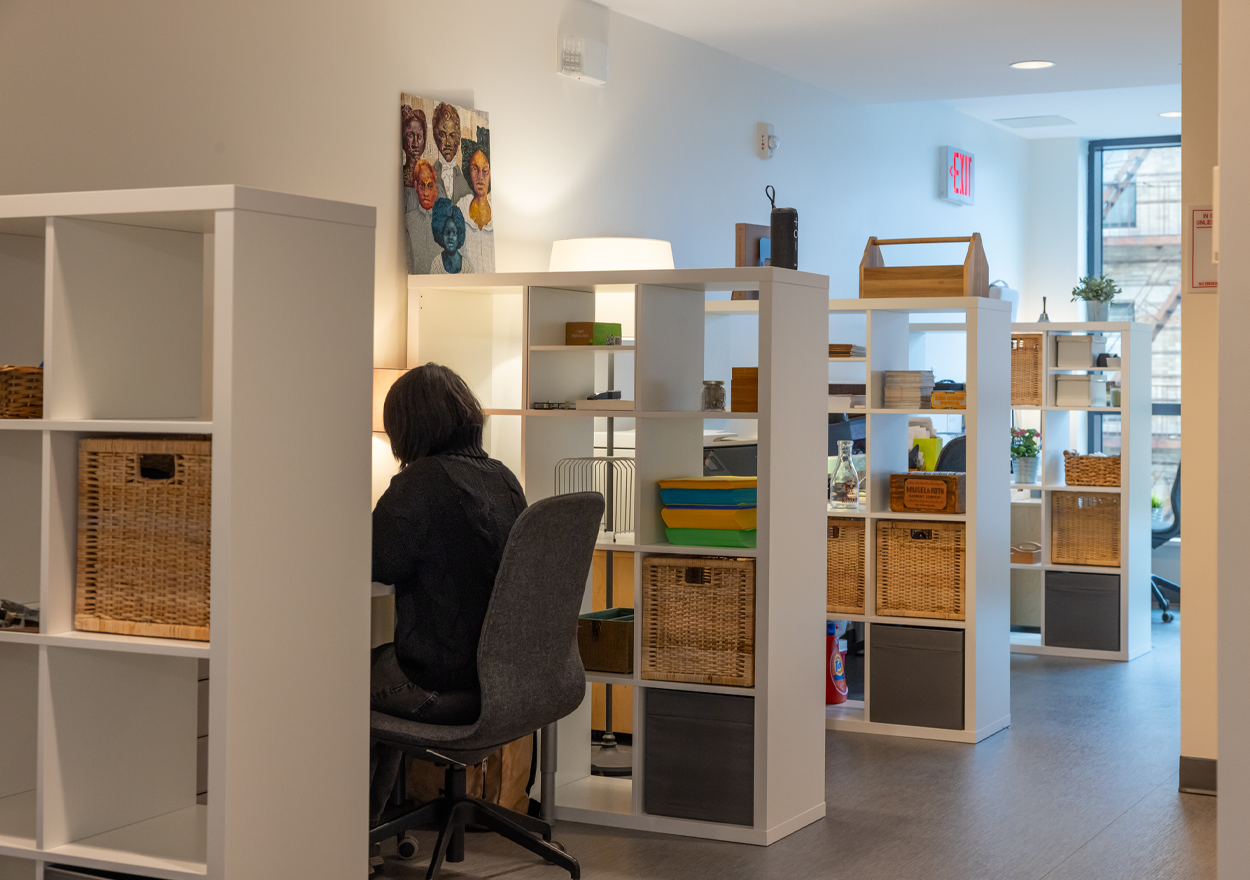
(785, 233)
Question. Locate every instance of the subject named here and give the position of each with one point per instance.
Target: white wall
(1201, 345)
(1055, 254)
(302, 97)
(1234, 424)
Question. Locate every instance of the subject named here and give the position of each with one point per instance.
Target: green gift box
(589, 332)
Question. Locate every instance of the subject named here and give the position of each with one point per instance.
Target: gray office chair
(529, 672)
(954, 456)
(1159, 537)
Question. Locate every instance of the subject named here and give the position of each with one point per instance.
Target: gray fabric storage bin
(1083, 610)
(916, 676)
(699, 756)
(60, 872)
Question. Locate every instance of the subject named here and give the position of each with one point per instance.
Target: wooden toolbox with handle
(877, 280)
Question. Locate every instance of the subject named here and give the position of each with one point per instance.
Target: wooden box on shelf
(605, 639)
(698, 620)
(21, 392)
(1090, 470)
(1026, 553)
(1085, 528)
(921, 569)
(744, 390)
(1026, 369)
(845, 577)
(928, 492)
(144, 514)
(971, 278)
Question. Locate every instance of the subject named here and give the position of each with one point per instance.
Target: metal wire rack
(611, 476)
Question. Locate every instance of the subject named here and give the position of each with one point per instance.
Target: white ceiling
(1095, 113)
(937, 50)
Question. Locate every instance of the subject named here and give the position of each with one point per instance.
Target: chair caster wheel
(1167, 617)
(558, 845)
(407, 848)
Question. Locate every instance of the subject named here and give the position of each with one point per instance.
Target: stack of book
(843, 396)
(841, 350)
(908, 389)
(709, 511)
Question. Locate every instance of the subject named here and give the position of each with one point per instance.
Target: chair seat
(460, 742)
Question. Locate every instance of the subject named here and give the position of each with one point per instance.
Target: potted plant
(1156, 510)
(1097, 293)
(1024, 449)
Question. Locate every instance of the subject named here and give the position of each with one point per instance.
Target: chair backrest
(528, 664)
(1159, 537)
(954, 456)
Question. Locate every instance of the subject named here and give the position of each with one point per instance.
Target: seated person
(438, 535)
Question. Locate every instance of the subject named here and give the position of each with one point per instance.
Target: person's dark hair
(443, 211)
(431, 410)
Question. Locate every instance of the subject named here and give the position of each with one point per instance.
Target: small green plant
(1100, 289)
(1156, 502)
(1024, 442)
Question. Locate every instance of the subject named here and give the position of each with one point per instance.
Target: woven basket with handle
(144, 508)
(21, 392)
(1085, 528)
(844, 589)
(920, 569)
(698, 620)
(1091, 470)
(1026, 369)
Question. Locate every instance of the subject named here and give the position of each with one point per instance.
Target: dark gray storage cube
(1083, 610)
(699, 756)
(60, 872)
(916, 676)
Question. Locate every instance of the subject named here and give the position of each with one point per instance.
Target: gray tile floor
(1081, 787)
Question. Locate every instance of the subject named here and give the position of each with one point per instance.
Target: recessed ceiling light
(1172, 114)
(1032, 65)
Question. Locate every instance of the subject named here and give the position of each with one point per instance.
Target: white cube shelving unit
(887, 328)
(505, 335)
(1132, 343)
(244, 315)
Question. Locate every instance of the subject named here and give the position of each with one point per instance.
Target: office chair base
(456, 809)
(1155, 583)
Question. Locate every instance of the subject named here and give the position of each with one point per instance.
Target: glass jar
(844, 482)
(713, 396)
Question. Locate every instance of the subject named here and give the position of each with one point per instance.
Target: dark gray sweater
(438, 535)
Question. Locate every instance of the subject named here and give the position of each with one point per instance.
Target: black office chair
(1159, 537)
(530, 675)
(954, 456)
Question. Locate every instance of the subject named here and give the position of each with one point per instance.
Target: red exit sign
(958, 184)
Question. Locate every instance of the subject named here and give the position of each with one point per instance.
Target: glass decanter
(844, 483)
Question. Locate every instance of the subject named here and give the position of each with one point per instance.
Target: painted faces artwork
(446, 160)
(427, 189)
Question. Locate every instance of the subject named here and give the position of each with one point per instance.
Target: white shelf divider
(667, 366)
(185, 311)
(987, 600)
(1134, 490)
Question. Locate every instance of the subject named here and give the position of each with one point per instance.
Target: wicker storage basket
(143, 536)
(844, 587)
(1026, 369)
(920, 569)
(1085, 528)
(21, 392)
(1091, 470)
(698, 620)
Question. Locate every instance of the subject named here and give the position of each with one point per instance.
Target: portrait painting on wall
(446, 188)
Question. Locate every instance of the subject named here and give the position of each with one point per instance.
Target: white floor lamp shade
(610, 254)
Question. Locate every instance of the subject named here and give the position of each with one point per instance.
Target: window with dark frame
(1134, 236)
